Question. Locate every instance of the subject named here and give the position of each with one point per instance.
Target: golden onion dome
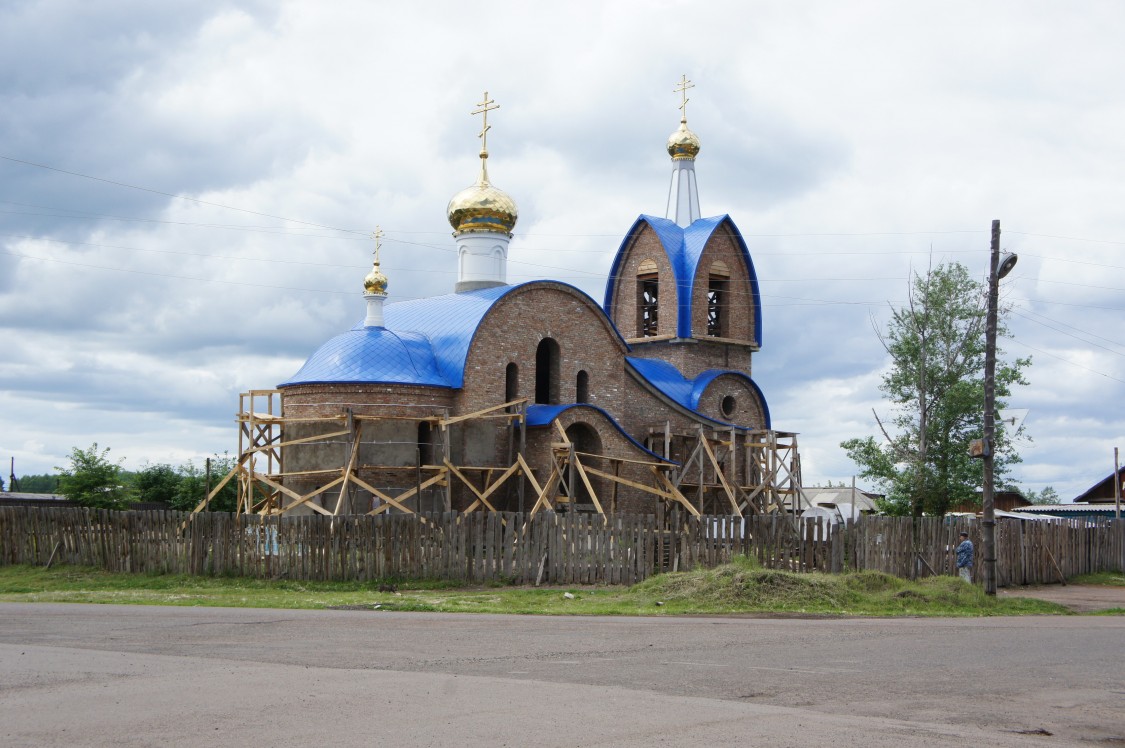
(375, 282)
(482, 207)
(683, 143)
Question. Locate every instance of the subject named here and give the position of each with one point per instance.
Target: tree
(936, 384)
(156, 483)
(193, 484)
(45, 483)
(92, 480)
(1047, 496)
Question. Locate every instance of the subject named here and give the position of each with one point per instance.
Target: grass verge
(738, 587)
(1103, 578)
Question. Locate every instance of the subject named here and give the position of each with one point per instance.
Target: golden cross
(486, 106)
(377, 235)
(682, 88)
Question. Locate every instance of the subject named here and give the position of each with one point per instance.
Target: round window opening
(728, 405)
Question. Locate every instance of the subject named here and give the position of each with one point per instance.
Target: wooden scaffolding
(707, 471)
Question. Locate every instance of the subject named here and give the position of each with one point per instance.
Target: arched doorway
(586, 441)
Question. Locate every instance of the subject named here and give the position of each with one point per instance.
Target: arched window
(582, 388)
(547, 372)
(511, 382)
(648, 299)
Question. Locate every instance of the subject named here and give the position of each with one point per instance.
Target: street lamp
(998, 268)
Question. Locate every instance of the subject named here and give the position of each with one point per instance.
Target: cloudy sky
(186, 187)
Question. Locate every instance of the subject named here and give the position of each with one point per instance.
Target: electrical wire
(171, 194)
(1066, 360)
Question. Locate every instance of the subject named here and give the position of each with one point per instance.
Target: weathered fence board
(552, 548)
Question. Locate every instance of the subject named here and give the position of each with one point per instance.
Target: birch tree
(935, 384)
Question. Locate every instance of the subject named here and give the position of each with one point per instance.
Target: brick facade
(510, 352)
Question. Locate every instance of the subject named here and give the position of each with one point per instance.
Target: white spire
(683, 194)
(683, 147)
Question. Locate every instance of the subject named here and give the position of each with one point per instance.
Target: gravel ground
(1077, 597)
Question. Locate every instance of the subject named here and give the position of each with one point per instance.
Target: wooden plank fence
(548, 548)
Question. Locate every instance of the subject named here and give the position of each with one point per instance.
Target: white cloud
(847, 142)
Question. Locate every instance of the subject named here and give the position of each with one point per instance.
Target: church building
(535, 396)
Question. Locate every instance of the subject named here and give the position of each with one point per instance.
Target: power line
(1071, 335)
(1072, 327)
(174, 277)
(170, 194)
(1065, 238)
(1067, 361)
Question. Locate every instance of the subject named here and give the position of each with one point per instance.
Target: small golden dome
(482, 207)
(683, 143)
(375, 282)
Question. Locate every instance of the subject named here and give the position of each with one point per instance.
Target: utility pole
(1116, 485)
(989, 521)
(998, 268)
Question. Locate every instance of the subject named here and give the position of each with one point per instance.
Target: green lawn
(739, 587)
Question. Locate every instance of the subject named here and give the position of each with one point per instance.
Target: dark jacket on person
(965, 553)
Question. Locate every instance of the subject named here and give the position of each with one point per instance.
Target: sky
(187, 190)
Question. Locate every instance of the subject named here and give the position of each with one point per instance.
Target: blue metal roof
(684, 248)
(372, 354)
(449, 323)
(542, 415)
(686, 392)
(424, 341)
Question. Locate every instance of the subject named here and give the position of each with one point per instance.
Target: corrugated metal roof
(686, 392)
(1073, 508)
(684, 248)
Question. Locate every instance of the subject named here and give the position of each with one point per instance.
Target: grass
(738, 587)
(1104, 578)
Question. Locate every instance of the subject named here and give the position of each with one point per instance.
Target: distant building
(18, 498)
(1005, 501)
(1102, 491)
(842, 497)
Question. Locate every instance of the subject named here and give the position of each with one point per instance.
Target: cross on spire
(377, 235)
(682, 89)
(486, 106)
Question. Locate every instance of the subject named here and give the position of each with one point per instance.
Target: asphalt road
(140, 676)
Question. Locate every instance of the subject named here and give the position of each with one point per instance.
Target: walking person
(965, 558)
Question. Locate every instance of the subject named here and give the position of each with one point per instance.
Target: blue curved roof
(684, 248)
(687, 392)
(542, 415)
(424, 341)
(448, 322)
(372, 354)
